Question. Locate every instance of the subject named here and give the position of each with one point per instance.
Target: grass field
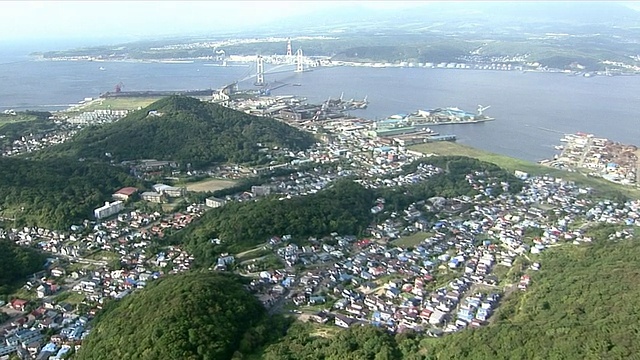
(411, 240)
(210, 185)
(70, 297)
(132, 103)
(103, 255)
(450, 148)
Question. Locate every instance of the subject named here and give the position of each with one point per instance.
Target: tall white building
(108, 209)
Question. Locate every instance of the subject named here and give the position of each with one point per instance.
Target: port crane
(481, 109)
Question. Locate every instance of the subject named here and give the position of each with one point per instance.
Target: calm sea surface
(532, 110)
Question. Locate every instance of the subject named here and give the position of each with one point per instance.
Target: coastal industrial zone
(406, 273)
(213, 53)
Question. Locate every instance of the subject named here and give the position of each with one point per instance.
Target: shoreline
(247, 60)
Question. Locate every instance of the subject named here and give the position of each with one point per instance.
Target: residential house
(19, 304)
(343, 321)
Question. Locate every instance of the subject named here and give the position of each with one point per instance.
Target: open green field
(103, 255)
(124, 103)
(450, 148)
(411, 240)
(70, 297)
(210, 185)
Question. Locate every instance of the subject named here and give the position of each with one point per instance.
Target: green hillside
(188, 316)
(582, 304)
(344, 208)
(16, 263)
(184, 130)
(13, 127)
(56, 193)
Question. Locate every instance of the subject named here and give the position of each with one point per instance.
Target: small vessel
(102, 68)
(297, 84)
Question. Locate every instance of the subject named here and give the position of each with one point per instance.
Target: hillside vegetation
(13, 127)
(189, 316)
(582, 304)
(187, 131)
(345, 208)
(16, 263)
(56, 193)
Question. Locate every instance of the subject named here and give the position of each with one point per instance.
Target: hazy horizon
(59, 23)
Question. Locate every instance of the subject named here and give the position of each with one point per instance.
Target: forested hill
(16, 263)
(56, 193)
(189, 316)
(184, 130)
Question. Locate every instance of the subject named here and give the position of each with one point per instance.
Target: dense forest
(16, 263)
(188, 316)
(343, 208)
(56, 193)
(187, 131)
(582, 304)
(357, 343)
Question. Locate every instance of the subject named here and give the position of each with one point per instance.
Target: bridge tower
(289, 52)
(259, 71)
(299, 61)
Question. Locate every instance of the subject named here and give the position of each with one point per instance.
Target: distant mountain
(354, 16)
(184, 130)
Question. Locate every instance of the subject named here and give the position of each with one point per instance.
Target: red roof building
(19, 304)
(125, 193)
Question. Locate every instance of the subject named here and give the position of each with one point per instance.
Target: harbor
(333, 116)
(599, 157)
(448, 116)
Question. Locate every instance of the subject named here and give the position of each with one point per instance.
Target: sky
(42, 20)
(99, 21)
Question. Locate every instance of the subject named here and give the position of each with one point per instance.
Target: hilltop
(184, 130)
(186, 316)
(56, 193)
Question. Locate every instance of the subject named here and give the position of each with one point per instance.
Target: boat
(297, 84)
(102, 68)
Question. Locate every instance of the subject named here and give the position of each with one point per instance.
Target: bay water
(532, 110)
